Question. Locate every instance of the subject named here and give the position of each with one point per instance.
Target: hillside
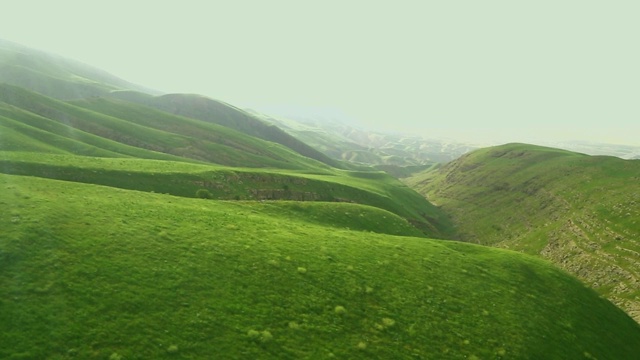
(577, 211)
(94, 272)
(232, 183)
(112, 128)
(56, 76)
(65, 79)
(144, 128)
(217, 112)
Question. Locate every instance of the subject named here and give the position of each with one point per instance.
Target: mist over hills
(56, 76)
(142, 225)
(313, 133)
(65, 79)
(593, 148)
(342, 140)
(342, 137)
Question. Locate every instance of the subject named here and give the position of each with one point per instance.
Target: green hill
(56, 76)
(94, 272)
(112, 128)
(148, 129)
(217, 112)
(144, 227)
(65, 79)
(181, 179)
(578, 211)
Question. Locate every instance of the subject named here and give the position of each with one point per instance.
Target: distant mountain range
(350, 143)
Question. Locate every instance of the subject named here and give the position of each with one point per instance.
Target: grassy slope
(116, 129)
(184, 179)
(95, 272)
(158, 132)
(26, 131)
(578, 211)
(217, 112)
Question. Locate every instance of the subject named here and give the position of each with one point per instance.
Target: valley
(142, 225)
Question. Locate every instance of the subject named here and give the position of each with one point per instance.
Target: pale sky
(491, 70)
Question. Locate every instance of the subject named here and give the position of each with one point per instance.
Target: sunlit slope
(95, 272)
(146, 129)
(217, 112)
(183, 179)
(55, 76)
(579, 211)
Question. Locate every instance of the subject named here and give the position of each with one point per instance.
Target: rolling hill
(151, 130)
(102, 127)
(65, 79)
(217, 112)
(96, 272)
(580, 212)
(231, 183)
(136, 227)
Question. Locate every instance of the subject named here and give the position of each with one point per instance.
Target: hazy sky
(475, 70)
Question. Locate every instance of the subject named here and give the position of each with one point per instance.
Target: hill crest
(573, 209)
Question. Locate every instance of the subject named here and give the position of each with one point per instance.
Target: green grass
(110, 128)
(23, 131)
(151, 131)
(106, 253)
(216, 112)
(97, 272)
(116, 129)
(239, 139)
(184, 179)
(576, 210)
